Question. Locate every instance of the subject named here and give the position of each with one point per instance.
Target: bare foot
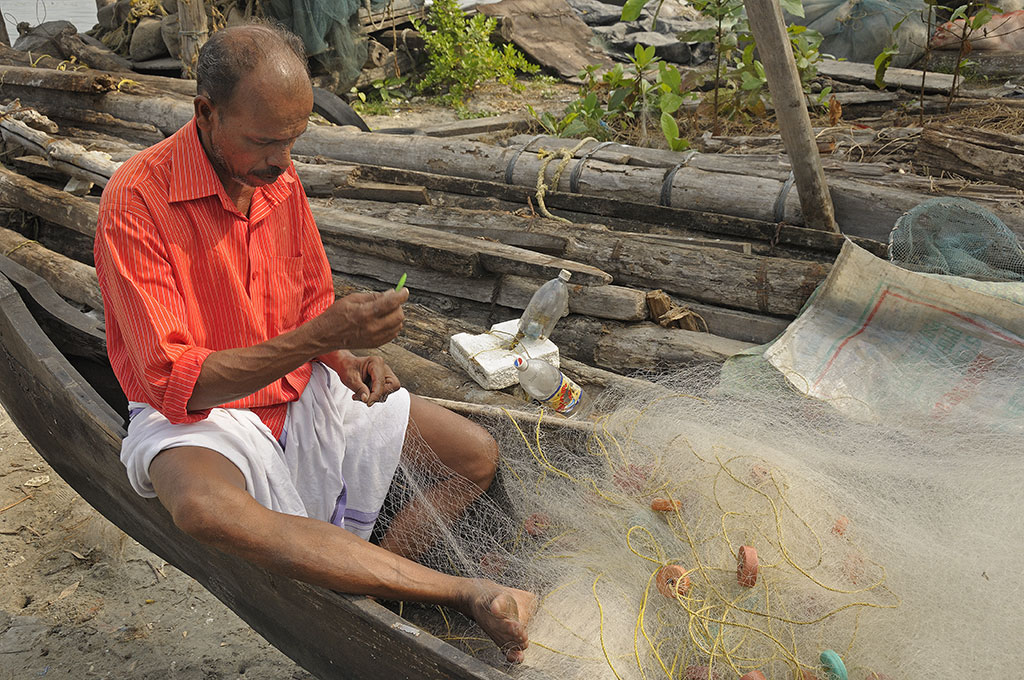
(503, 614)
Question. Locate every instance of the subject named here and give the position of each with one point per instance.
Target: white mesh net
(891, 541)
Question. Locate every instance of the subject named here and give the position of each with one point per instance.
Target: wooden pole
(776, 53)
(4, 37)
(193, 31)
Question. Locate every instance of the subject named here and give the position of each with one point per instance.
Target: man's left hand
(370, 378)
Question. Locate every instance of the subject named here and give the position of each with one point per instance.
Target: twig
(8, 507)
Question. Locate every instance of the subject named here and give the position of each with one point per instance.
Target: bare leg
(460, 453)
(205, 494)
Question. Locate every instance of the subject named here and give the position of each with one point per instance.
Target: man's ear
(203, 110)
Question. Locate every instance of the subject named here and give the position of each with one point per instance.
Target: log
(973, 153)
(649, 347)
(450, 253)
(71, 45)
(48, 203)
(476, 126)
(787, 92)
(68, 157)
(867, 211)
(903, 78)
(716, 276)
(514, 292)
(72, 279)
(193, 31)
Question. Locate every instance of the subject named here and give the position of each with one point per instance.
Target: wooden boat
(59, 389)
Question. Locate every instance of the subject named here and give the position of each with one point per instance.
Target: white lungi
(335, 460)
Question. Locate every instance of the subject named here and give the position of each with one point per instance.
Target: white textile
(336, 463)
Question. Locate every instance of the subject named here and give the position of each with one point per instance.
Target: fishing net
(958, 237)
(888, 542)
(331, 32)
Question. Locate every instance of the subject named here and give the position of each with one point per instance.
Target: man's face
(249, 138)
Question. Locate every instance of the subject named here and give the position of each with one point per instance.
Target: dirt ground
(80, 599)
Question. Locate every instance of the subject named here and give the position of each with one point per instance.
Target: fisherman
(257, 429)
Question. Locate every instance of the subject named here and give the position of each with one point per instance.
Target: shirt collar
(193, 176)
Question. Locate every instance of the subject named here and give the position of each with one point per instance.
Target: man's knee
(202, 490)
(482, 459)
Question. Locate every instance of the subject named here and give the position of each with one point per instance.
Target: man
(253, 424)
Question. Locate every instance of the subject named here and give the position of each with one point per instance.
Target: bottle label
(566, 398)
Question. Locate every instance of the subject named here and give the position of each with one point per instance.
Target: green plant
(614, 103)
(461, 55)
(383, 96)
(972, 16)
(738, 86)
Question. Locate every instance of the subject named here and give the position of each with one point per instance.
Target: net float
(666, 505)
(746, 566)
(672, 581)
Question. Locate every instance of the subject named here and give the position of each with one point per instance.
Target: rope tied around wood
(546, 157)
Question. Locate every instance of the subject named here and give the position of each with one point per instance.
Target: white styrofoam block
(488, 358)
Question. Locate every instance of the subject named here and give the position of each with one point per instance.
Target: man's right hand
(362, 320)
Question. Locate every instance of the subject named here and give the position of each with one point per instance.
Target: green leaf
(669, 127)
(750, 82)
(679, 144)
(670, 76)
(631, 10)
(670, 102)
(617, 97)
(794, 7)
(882, 62)
(959, 13)
(980, 19)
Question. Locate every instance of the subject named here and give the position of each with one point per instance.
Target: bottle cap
(564, 274)
(519, 363)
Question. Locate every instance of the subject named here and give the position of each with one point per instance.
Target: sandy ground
(80, 599)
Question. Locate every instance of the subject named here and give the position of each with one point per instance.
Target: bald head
(230, 55)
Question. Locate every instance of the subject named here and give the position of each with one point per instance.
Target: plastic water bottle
(549, 304)
(548, 385)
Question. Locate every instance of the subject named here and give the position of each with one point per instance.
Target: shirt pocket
(283, 293)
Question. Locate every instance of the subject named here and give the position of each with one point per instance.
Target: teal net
(958, 237)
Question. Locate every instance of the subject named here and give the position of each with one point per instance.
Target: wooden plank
(452, 253)
(601, 302)
(903, 78)
(51, 204)
(379, 191)
(973, 153)
(475, 126)
(694, 220)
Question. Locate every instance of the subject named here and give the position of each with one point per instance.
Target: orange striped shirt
(185, 274)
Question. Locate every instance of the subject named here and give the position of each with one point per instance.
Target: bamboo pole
(193, 32)
(776, 53)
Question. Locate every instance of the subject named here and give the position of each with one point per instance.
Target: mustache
(270, 173)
